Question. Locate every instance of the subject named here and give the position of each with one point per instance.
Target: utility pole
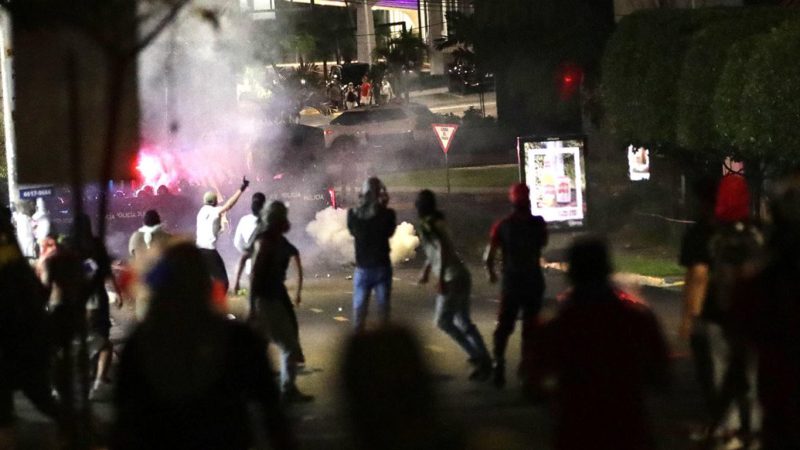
(6, 55)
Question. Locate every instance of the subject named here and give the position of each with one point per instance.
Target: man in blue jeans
(372, 223)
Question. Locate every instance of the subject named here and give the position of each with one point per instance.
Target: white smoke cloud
(188, 83)
(330, 234)
(403, 243)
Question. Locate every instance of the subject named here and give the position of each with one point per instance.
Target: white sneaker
(100, 392)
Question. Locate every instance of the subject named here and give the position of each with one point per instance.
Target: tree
(726, 107)
(121, 29)
(641, 69)
(526, 44)
(463, 33)
(770, 106)
(700, 75)
(402, 54)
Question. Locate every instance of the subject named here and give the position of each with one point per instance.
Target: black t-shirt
(372, 237)
(270, 262)
(521, 237)
(696, 249)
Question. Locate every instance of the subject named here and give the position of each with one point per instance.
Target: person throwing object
(209, 226)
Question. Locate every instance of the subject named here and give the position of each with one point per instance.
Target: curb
(630, 278)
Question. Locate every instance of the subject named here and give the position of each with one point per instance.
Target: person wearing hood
(150, 235)
(271, 309)
(455, 285)
(520, 237)
(371, 224)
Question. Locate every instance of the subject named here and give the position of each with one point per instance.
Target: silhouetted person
(717, 256)
(150, 236)
(372, 223)
(271, 309)
(520, 237)
(603, 351)
(209, 227)
(454, 285)
(767, 313)
(24, 349)
(187, 374)
(389, 393)
(96, 264)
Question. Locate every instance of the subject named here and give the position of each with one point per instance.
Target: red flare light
(155, 169)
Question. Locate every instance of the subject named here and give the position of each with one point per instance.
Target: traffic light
(568, 79)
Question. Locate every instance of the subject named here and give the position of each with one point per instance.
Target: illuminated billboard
(638, 163)
(554, 170)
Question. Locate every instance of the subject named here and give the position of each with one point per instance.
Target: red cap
(519, 194)
(733, 200)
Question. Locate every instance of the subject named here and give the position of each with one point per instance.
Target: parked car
(465, 78)
(379, 138)
(380, 126)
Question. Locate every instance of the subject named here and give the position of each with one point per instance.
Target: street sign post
(445, 133)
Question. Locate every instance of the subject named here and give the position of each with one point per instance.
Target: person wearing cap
(371, 224)
(209, 226)
(271, 309)
(150, 235)
(520, 237)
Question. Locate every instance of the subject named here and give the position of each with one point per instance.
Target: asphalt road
(491, 418)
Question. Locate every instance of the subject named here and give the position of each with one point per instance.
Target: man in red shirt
(604, 351)
(520, 236)
(366, 91)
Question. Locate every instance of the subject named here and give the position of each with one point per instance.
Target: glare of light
(153, 170)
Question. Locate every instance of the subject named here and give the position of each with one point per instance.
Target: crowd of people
(351, 96)
(187, 373)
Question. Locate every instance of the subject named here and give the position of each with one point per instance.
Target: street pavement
(491, 418)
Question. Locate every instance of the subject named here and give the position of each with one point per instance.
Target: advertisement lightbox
(554, 170)
(638, 163)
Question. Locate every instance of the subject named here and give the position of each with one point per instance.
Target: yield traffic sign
(445, 133)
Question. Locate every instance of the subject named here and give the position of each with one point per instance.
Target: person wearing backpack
(718, 255)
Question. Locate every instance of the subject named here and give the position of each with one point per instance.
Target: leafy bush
(701, 72)
(770, 106)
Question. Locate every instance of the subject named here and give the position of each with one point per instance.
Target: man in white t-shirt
(246, 231)
(209, 226)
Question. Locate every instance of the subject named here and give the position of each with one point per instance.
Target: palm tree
(463, 33)
(402, 54)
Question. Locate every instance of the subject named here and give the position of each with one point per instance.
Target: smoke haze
(330, 234)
